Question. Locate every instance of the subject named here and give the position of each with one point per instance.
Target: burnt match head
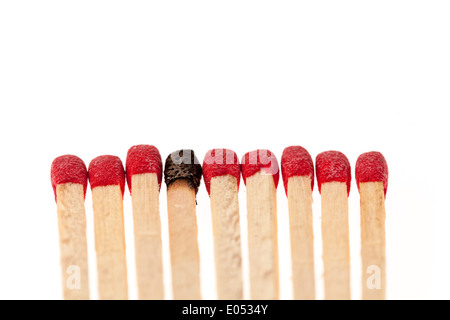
(372, 167)
(260, 160)
(141, 159)
(183, 164)
(220, 162)
(68, 169)
(105, 171)
(296, 161)
(333, 166)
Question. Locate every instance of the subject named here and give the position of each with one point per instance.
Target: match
(182, 175)
(69, 181)
(260, 173)
(297, 169)
(222, 174)
(371, 173)
(144, 174)
(333, 177)
(107, 180)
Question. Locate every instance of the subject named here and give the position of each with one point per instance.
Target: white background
(96, 77)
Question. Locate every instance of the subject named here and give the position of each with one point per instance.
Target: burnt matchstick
(297, 169)
(107, 180)
(371, 173)
(182, 175)
(222, 174)
(333, 177)
(69, 181)
(144, 173)
(260, 174)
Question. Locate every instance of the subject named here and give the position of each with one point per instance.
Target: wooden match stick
(298, 176)
(144, 173)
(260, 173)
(371, 174)
(69, 182)
(333, 177)
(222, 174)
(182, 175)
(107, 180)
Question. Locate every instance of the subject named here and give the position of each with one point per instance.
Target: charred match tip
(372, 167)
(220, 162)
(183, 164)
(105, 171)
(68, 169)
(141, 159)
(296, 161)
(333, 166)
(260, 160)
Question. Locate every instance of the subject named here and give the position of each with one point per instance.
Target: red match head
(68, 169)
(105, 171)
(260, 160)
(220, 162)
(143, 158)
(296, 161)
(372, 167)
(333, 166)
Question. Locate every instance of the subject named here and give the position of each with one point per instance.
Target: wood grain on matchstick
(184, 253)
(227, 239)
(73, 244)
(373, 246)
(147, 236)
(302, 238)
(335, 239)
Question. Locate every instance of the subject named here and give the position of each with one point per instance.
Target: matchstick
(144, 173)
(297, 169)
(222, 174)
(107, 180)
(69, 182)
(182, 175)
(260, 174)
(333, 177)
(371, 173)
